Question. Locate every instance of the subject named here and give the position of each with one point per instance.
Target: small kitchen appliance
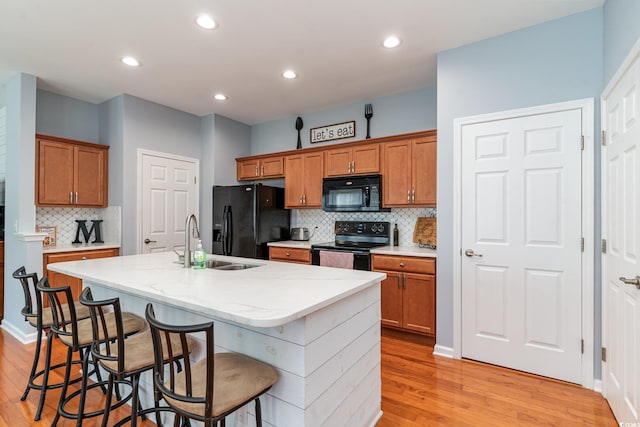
(301, 233)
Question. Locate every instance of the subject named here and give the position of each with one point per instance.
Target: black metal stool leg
(45, 376)
(34, 366)
(107, 403)
(258, 413)
(63, 393)
(83, 392)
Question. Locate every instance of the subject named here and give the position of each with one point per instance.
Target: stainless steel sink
(236, 266)
(217, 263)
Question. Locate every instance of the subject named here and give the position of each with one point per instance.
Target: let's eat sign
(331, 132)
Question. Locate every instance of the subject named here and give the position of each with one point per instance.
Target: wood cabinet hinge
(582, 346)
(604, 246)
(194, 180)
(604, 137)
(604, 354)
(582, 244)
(581, 142)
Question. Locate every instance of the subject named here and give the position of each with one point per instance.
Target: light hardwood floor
(418, 389)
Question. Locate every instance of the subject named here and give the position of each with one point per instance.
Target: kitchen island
(319, 327)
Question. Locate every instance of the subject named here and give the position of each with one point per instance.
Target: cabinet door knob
(84, 257)
(70, 197)
(288, 254)
(408, 196)
(76, 197)
(402, 264)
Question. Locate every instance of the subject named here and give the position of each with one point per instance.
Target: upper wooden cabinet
(303, 180)
(361, 159)
(259, 168)
(409, 172)
(407, 163)
(71, 173)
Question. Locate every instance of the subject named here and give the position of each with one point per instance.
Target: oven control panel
(362, 228)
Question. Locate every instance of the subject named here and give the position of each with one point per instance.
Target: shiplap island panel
(320, 327)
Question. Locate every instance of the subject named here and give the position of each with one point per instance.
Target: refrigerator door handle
(224, 230)
(229, 234)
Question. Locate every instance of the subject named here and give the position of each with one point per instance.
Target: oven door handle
(367, 196)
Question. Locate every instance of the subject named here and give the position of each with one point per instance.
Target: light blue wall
(551, 62)
(401, 113)
(59, 115)
(111, 118)
(621, 30)
(153, 127)
(2, 96)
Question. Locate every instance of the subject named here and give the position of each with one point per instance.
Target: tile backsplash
(65, 221)
(404, 217)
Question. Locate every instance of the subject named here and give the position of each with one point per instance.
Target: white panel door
(621, 229)
(521, 243)
(169, 194)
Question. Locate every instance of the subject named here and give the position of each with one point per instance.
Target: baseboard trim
(18, 334)
(442, 351)
(597, 386)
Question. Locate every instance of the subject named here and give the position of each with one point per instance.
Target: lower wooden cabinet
(408, 293)
(57, 279)
(295, 255)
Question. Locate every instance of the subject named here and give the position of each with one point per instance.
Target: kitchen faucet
(187, 239)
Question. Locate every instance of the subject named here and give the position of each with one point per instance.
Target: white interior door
(521, 235)
(621, 229)
(169, 192)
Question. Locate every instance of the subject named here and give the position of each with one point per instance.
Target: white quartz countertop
(405, 251)
(302, 244)
(71, 247)
(272, 294)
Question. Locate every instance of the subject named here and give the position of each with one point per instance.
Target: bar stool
(77, 335)
(41, 319)
(126, 358)
(212, 388)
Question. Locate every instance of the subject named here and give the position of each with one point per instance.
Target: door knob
(470, 253)
(147, 241)
(635, 281)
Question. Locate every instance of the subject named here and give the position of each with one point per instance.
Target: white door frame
(141, 153)
(587, 107)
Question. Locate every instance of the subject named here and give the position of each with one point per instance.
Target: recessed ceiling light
(220, 97)
(206, 22)
(289, 74)
(391, 42)
(130, 61)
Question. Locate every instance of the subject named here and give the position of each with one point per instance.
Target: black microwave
(352, 194)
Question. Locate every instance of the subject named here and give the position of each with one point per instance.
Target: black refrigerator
(246, 218)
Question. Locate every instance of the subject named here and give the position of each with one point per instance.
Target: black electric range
(357, 237)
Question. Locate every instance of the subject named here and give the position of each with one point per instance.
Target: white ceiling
(74, 47)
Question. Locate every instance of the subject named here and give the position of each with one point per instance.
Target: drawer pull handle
(84, 257)
(402, 264)
(288, 254)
